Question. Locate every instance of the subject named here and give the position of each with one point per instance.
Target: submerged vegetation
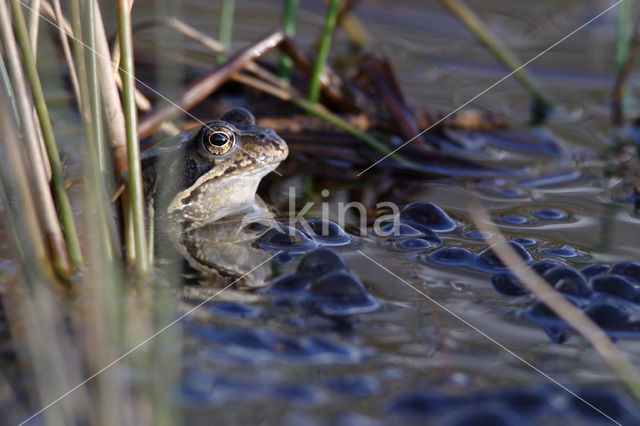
(83, 296)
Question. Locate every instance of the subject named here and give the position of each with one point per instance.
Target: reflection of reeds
(469, 18)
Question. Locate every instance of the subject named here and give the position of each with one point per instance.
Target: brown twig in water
(200, 89)
(383, 79)
(555, 301)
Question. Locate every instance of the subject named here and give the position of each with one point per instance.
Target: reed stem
(323, 50)
(57, 177)
(471, 20)
(42, 192)
(134, 185)
(285, 64)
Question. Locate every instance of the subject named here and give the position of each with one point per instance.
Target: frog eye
(217, 140)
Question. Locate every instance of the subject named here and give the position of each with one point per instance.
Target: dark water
(302, 352)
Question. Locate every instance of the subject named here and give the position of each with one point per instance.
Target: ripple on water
(355, 385)
(233, 309)
(256, 345)
(561, 251)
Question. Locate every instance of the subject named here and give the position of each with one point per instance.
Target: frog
(212, 171)
(200, 188)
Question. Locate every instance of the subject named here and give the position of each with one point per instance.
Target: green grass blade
(135, 197)
(226, 26)
(285, 64)
(323, 50)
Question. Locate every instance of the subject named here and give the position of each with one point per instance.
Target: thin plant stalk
(226, 26)
(55, 12)
(34, 21)
(323, 50)
(471, 20)
(94, 87)
(6, 82)
(600, 341)
(110, 98)
(57, 178)
(622, 33)
(29, 235)
(289, 11)
(134, 184)
(626, 50)
(44, 199)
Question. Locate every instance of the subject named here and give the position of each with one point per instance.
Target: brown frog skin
(212, 171)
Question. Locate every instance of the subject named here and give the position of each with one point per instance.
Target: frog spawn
(322, 287)
(321, 282)
(610, 296)
(289, 241)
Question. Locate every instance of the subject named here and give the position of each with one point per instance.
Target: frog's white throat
(232, 195)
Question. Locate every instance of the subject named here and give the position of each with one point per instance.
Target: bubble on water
(505, 283)
(286, 238)
(327, 232)
(515, 220)
(550, 214)
(288, 284)
(567, 280)
(452, 256)
(561, 251)
(489, 261)
(413, 244)
(593, 270)
(422, 214)
(615, 285)
(342, 294)
(319, 263)
(630, 270)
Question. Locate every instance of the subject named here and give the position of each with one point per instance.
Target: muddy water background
(411, 345)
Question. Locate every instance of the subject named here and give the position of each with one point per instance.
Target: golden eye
(217, 140)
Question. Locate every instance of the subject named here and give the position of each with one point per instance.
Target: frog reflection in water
(202, 186)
